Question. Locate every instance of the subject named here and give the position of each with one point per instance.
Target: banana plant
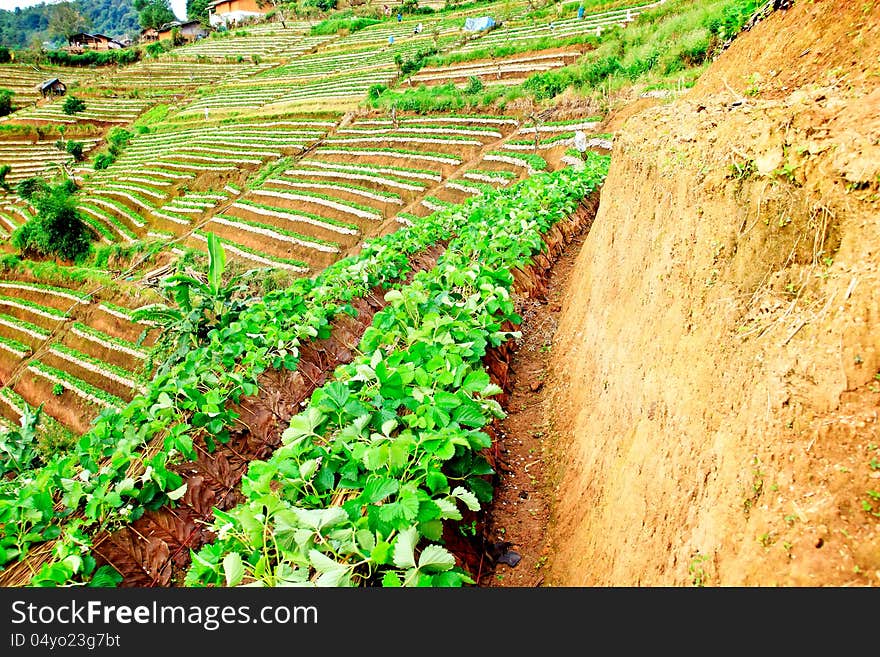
(195, 307)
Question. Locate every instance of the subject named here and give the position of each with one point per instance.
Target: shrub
(375, 91)
(94, 57)
(75, 148)
(103, 160)
(4, 171)
(6, 101)
(57, 230)
(474, 85)
(30, 187)
(73, 105)
(322, 5)
(118, 139)
(5, 56)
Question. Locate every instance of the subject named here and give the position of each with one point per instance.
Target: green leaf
(467, 497)
(436, 481)
(469, 415)
(391, 580)
(377, 489)
(302, 425)
(446, 401)
(177, 493)
(105, 577)
(431, 529)
(476, 381)
(448, 509)
(233, 568)
(404, 548)
(319, 519)
(436, 558)
(379, 554)
(322, 563)
(216, 264)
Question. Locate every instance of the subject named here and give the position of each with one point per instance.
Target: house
(149, 34)
(190, 30)
(226, 12)
(52, 86)
(82, 41)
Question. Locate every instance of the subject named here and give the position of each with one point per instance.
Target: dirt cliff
(715, 376)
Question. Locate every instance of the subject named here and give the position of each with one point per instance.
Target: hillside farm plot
(376, 37)
(503, 70)
(68, 351)
(261, 92)
(170, 76)
(98, 110)
(438, 148)
(269, 42)
(522, 32)
(543, 137)
(140, 192)
(23, 79)
(337, 61)
(28, 157)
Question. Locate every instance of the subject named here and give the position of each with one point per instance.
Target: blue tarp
(477, 24)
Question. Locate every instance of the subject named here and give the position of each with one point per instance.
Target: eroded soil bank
(715, 375)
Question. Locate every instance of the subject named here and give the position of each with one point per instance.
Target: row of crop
(277, 47)
(382, 457)
(116, 110)
(501, 70)
(444, 395)
(594, 23)
(186, 402)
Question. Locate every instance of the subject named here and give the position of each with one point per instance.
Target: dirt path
(518, 518)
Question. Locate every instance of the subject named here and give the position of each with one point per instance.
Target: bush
(5, 56)
(4, 171)
(118, 139)
(375, 91)
(6, 101)
(73, 105)
(322, 5)
(30, 187)
(474, 85)
(102, 161)
(75, 148)
(58, 229)
(334, 25)
(94, 57)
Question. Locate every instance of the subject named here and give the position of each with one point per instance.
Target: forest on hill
(22, 27)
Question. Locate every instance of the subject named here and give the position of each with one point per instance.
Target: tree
(73, 105)
(65, 20)
(6, 101)
(197, 10)
(5, 55)
(57, 229)
(4, 171)
(153, 13)
(276, 7)
(75, 148)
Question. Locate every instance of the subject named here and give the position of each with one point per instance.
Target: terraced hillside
(274, 259)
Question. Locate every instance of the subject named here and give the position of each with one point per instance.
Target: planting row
(176, 406)
(388, 454)
(69, 352)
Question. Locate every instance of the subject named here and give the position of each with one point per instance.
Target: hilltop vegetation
(22, 28)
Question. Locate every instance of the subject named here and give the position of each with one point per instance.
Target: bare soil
(709, 408)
